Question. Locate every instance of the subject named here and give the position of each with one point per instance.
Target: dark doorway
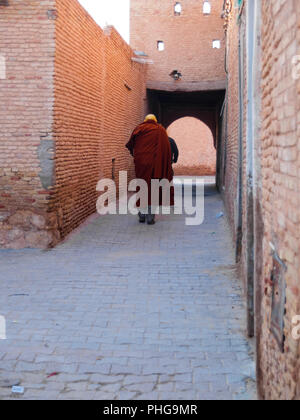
(206, 106)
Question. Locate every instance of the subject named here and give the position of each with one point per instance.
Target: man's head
(150, 117)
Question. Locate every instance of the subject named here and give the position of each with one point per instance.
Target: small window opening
(160, 45)
(206, 8)
(177, 9)
(217, 44)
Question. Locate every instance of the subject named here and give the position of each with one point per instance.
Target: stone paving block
(140, 387)
(86, 368)
(148, 396)
(106, 379)
(169, 387)
(79, 395)
(112, 388)
(126, 370)
(68, 378)
(104, 396)
(76, 386)
(126, 395)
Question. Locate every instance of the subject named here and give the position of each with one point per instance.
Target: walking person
(174, 150)
(150, 146)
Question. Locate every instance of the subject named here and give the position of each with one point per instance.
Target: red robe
(150, 146)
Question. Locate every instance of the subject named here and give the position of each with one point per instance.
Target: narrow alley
(128, 311)
(97, 100)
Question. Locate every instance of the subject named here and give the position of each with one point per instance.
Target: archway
(195, 141)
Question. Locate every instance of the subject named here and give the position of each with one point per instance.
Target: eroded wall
(27, 47)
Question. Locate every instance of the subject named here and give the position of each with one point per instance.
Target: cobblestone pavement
(127, 311)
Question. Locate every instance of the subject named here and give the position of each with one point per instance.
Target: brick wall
(280, 177)
(197, 155)
(277, 154)
(232, 112)
(188, 42)
(72, 90)
(99, 99)
(27, 47)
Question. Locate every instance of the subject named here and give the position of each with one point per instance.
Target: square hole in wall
(206, 8)
(177, 9)
(216, 44)
(160, 45)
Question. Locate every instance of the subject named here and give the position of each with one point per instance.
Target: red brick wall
(26, 100)
(278, 154)
(280, 187)
(99, 99)
(72, 90)
(197, 155)
(188, 41)
(232, 133)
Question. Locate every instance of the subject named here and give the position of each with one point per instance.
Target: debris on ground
(17, 390)
(52, 374)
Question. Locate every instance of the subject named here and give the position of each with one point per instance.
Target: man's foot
(151, 219)
(142, 217)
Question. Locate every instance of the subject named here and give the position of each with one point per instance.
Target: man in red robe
(150, 146)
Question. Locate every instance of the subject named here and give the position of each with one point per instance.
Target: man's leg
(142, 217)
(150, 217)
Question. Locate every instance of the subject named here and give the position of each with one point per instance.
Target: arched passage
(195, 141)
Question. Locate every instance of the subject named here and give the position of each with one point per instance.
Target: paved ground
(127, 311)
